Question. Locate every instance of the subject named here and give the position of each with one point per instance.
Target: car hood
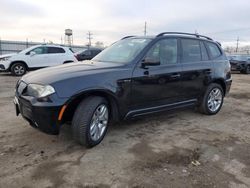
(68, 71)
(7, 55)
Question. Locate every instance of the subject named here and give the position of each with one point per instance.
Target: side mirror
(32, 53)
(149, 62)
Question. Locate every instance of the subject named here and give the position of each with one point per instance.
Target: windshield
(123, 51)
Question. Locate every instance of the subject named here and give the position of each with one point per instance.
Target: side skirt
(155, 109)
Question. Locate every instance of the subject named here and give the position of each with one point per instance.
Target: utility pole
(145, 29)
(237, 44)
(89, 34)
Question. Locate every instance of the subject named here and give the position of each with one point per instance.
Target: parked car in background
(133, 77)
(36, 57)
(87, 54)
(240, 63)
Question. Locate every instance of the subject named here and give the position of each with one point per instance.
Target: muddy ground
(155, 151)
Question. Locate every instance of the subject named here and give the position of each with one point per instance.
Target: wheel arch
(222, 83)
(74, 101)
(18, 61)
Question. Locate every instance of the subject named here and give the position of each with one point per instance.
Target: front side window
(39, 50)
(191, 51)
(164, 51)
(123, 51)
(214, 50)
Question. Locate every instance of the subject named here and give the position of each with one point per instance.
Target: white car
(36, 57)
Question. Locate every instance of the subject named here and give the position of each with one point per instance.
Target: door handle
(175, 75)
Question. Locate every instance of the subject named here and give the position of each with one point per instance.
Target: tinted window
(55, 50)
(214, 50)
(191, 51)
(164, 51)
(203, 52)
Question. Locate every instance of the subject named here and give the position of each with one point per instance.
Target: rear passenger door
(56, 56)
(196, 67)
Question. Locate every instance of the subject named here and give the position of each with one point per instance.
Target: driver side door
(153, 86)
(37, 57)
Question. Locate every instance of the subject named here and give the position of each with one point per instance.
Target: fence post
(27, 44)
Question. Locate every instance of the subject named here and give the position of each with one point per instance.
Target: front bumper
(45, 118)
(237, 67)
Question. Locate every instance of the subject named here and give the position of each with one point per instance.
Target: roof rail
(180, 33)
(127, 37)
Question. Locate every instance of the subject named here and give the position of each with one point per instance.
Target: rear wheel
(18, 69)
(90, 121)
(212, 100)
(247, 71)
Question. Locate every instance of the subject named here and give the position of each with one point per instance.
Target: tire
(212, 108)
(18, 69)
(86, 117)
(247, 71)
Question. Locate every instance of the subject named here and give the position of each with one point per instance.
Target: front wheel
(18, 69)
(90, 121)
(212, 100)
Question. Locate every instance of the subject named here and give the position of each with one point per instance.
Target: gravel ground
(173, 149)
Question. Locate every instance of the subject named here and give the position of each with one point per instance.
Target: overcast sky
(109, 20)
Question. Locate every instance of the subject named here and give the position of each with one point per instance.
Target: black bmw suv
(135, 76)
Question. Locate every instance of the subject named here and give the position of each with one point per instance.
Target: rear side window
(55, 50)
(204, 54)
(191, 51)
(214, 50)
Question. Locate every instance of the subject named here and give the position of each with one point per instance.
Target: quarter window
(191, 51)
(164, 51)
(214, 50)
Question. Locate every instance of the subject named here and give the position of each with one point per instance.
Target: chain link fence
(9, 47)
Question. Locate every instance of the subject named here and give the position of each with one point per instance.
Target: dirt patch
(147, 158)
(245, 95)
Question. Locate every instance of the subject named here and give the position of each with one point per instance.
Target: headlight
(4, 58)
(39, 91)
